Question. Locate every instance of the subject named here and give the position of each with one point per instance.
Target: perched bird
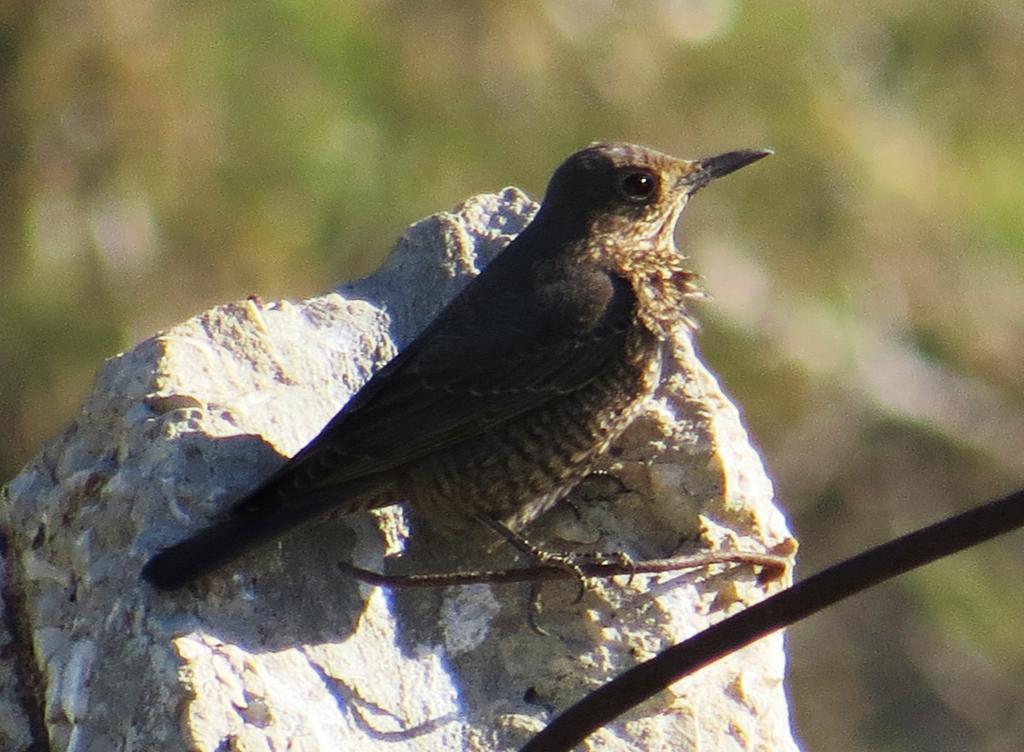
(511, 395)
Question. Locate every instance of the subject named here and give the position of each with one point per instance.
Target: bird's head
(631, 192)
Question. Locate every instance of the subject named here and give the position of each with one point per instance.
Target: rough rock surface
(280, 651)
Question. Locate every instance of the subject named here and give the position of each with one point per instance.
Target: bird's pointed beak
(703, 171)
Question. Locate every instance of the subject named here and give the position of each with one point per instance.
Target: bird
(512, 394)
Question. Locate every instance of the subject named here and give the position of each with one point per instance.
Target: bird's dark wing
(493, 354)
(511, 341)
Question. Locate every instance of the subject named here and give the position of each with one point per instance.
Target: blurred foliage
(867, 303)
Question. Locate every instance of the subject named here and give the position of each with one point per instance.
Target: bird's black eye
(638, 185)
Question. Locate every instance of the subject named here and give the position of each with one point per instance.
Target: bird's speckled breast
(519, 471)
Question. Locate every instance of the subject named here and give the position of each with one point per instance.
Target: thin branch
(829, 586)
(774, 565)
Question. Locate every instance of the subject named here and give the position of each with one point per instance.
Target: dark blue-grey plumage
(510, 396)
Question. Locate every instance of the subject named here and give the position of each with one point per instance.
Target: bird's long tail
(261, 517)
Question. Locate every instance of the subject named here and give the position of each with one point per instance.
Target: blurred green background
(157, 158)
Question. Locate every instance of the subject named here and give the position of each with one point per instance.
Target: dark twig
(590, 569)
(782, 609)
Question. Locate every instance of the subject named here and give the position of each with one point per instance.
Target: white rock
(280, 650)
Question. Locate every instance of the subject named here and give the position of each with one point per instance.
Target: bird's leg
(617, 558)
(587, 488)
(559, 559)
